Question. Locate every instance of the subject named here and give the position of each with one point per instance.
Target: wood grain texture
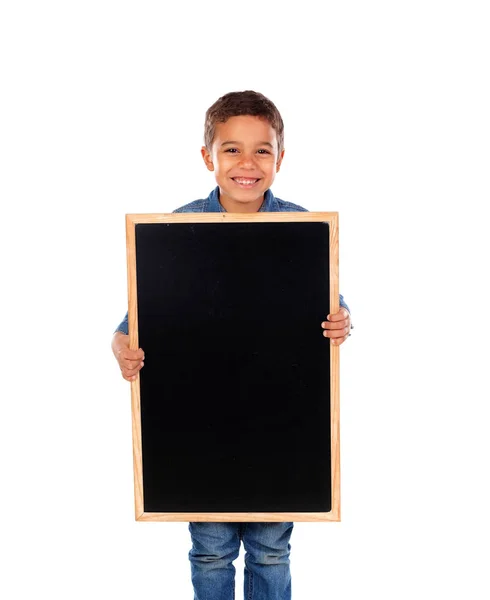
(135, 385)
(332, 218)
(239, 517)
(232, 217)
(335, 370)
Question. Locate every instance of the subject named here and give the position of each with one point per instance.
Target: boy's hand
(130, 361)
(337, 327)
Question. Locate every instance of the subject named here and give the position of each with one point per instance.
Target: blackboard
(233, 411)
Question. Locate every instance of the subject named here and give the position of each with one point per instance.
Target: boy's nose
(247, 160)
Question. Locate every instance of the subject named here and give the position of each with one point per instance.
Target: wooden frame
(332, 218)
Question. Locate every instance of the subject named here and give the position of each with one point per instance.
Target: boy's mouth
(245, 182)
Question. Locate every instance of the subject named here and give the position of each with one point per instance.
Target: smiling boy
(245, 154)
(244, 148)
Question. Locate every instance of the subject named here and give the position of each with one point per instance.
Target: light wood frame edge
(332, 218)
(135, 385)
(335, 370)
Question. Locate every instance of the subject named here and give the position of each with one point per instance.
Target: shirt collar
(213, 204)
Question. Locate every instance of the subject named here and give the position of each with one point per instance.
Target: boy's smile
(245, 159)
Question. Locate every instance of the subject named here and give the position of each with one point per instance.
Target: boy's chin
(248, 197)
(246, 193)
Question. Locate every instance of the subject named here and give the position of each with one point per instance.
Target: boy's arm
(130, 361)
(337, 328)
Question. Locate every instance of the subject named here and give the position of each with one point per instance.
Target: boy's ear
(207, 158)
(279, 161)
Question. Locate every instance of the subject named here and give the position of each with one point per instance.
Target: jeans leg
(214, 548)
(267, 574)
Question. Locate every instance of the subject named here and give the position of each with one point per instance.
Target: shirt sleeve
(123, 326)
(343, 303)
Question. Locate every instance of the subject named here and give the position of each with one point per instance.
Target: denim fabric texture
(216, 545)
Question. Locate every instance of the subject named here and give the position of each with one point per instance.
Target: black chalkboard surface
(235, 395)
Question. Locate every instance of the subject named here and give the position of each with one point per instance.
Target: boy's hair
(235, 104)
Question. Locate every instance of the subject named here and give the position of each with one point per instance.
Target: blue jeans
(216, 545)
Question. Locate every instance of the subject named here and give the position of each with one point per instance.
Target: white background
(386, 107)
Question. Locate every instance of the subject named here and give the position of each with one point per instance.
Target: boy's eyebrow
(259, 144)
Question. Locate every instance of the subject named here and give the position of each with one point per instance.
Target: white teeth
(245, 181)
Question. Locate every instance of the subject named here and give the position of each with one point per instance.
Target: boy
(244, 139)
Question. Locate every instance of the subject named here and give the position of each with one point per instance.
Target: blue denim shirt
(212, 204)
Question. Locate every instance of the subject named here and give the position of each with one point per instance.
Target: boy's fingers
(337, 333)
(337, 321)
(335, 325)
(339, 316)
(127, 354)
(130, 371)
(131, 364)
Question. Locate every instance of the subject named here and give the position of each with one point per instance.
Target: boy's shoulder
(285, 206)
(195, 206)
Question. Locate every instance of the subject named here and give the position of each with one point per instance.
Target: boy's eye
(260, 151)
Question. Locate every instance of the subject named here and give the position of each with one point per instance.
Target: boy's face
(244, 157)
